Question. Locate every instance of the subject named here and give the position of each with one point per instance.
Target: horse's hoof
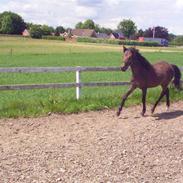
(168, 109)
(152, 111)
(142, 114)
(118, 113)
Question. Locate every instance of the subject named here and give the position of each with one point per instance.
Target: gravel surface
(94, 147)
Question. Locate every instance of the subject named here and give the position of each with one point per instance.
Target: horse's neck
(135, 70)
(138, 70)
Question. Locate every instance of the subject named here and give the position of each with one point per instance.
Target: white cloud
(89, 2)
(85, 12)
(179, 3)
(145, 13)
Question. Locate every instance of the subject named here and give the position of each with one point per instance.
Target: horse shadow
(168, 115)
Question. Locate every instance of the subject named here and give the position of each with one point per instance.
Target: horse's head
(127, 58)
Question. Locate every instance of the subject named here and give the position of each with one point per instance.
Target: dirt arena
(94, 147)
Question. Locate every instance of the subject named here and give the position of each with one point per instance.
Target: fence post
(78, 82)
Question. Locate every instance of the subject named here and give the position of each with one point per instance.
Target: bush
(178, 41)
(54, 38)
(46, 30)
(116, 41)
(36, 32)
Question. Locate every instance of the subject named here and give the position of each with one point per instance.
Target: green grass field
(23, 52)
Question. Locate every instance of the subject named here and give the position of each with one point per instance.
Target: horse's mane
(140, 59)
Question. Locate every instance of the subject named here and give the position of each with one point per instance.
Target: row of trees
(12, 23)
(128, 28)
(90, 24)
(37, 31)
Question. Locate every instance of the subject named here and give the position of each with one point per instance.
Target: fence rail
(55, 69)
(78, 84)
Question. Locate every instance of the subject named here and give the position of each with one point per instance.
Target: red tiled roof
(83, 32)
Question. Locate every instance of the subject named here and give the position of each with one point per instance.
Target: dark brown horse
(146, 75)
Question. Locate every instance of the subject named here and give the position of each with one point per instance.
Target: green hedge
(54, 38)
(178, 41)
(116, 41)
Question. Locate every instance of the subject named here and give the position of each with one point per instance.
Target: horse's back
(164, 71)
(163, 67)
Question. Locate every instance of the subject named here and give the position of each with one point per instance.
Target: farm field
(23, 52)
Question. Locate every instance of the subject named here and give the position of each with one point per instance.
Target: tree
(127, 27)
(36, 31)
(6, 25)
(160, 32)
(11, 23)
(140, 33)
(59, 30)
(105, 30)
(46, 30)
(148, 32)
(29, 25)
(171, 37)
(97, 28)
(79, 25)
(89, 24)
(102, 29)
(178, 40)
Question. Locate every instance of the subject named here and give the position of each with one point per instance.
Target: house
(65, 34)
(25, 33)
(83, 33)
(160, 41)
(116, 35)
(102, 35)
(113, 35)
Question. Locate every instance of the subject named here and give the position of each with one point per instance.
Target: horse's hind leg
(125, 96)
(144, 92)
(167, 99)
(164, 91)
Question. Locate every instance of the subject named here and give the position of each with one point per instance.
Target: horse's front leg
(125, 96)
(144, 92)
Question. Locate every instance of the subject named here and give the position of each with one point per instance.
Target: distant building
(25, 33)
(113, 35)
(65, 34)
(116, 35)
(102, 35)
(83, 33)
(160, 41)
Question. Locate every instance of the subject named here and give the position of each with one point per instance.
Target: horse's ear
(124, 48)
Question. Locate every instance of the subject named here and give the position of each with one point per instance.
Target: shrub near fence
(54, 38)
(116, 41)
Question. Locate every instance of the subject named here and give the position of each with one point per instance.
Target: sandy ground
(94, 147)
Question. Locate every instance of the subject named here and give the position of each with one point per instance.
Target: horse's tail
(177, 77)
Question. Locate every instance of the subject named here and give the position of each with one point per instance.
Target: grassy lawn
(22, 52)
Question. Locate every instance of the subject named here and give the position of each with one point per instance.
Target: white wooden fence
(78, 84)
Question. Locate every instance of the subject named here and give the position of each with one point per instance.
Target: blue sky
(108, 13)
